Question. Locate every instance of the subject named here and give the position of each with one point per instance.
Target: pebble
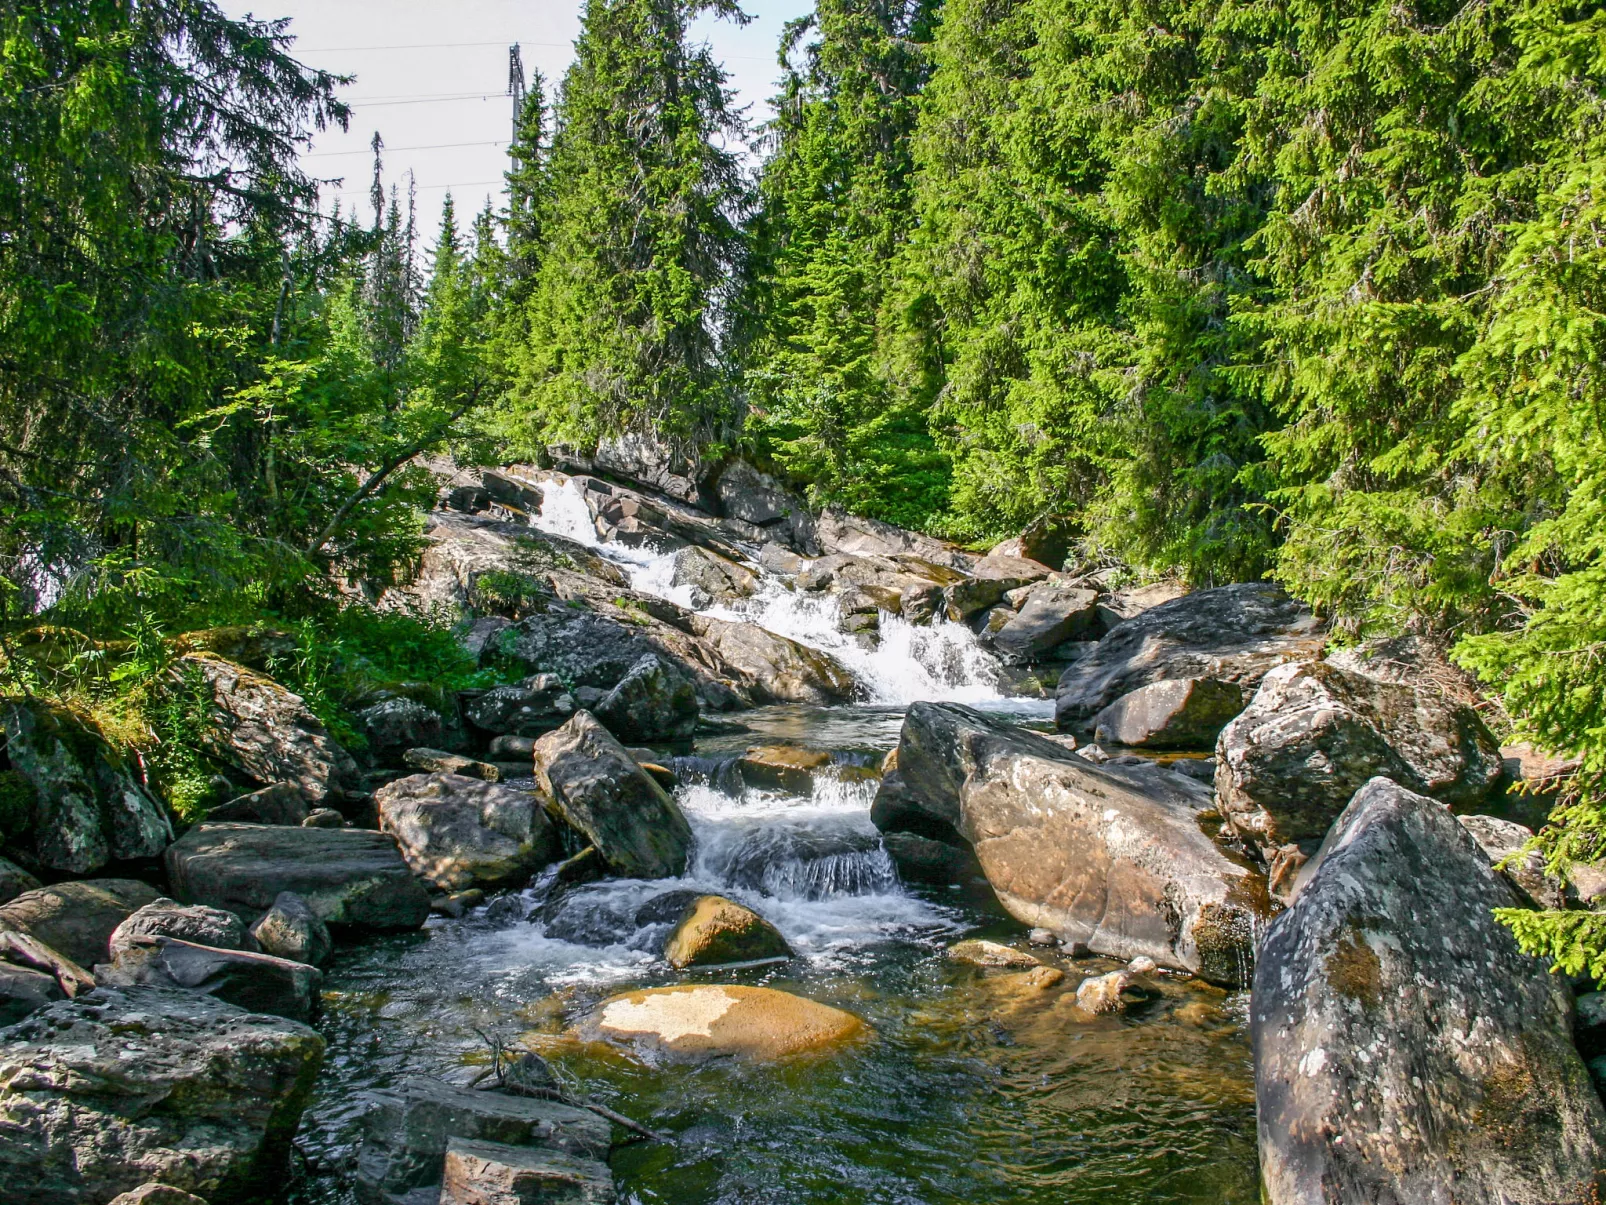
(1042, 937)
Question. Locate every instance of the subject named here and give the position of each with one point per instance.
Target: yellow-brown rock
(714, 1021)
(714, 930)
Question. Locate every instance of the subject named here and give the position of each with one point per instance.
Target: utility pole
(515, 89)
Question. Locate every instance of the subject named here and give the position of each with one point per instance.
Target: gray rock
(1050, 616)
(1113, 857)
(282, 803)
(156, 1194)
(439, 761)
(258, 983)
(458, 832)
(1501, 840)
(189, 922)
(267, 731)
(392, 725)
(350, 877)
(779, 670)
(77, 919)
(520, 710)
(599, 789)
(512, 748)
(291, 929)
(1405, 1048)
(1314, 734)
(471, 499)
(23, 991)
(407, 1131)
(14, 880)
(89, 805)
(1122, 605)
(1230, 633)
(1178, 713)
(581, 647)
(1049, 539)
(778, 558)
(929, 860)
(491, 1173)
(653, 702)
(717, 576)
(101, 1094)
(324, 818)
(995, 576)
(838, 531)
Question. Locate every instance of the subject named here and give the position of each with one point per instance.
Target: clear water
(971, 1089)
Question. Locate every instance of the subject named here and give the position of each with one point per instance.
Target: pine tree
(622, 326)
(528, 194)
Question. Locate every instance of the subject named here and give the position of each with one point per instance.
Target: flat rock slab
(492, 1173)
(713, 1021)
(102, 1094)
(77, 919)
(408, 1129)
(353, 877)
(1405, 1048)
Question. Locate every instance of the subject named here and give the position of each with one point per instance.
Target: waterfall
(940, 662)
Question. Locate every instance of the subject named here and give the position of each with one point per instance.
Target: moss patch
(1354, 969)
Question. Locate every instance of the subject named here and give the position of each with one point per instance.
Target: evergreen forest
(1305, 291)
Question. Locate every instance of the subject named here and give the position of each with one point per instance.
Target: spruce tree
(642, 242)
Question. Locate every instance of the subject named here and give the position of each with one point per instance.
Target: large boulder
(1178, 713)
(259, 983)
(655, 701)
(755, 497)
(77, 919)
(838, 531)
(774, 668)
(1314, 733)
(188, 922)
(599, 789)
(1052, 614)
(458, 832)
(541, 704)
(408, 1128)
(1230, 633)
(89, 804)
(713, 930)
(695, 1023)
(349, 877)
(493, 1173)
(1110, 856)
(14, 880)
(398, 723)
(100, 1094)
(1405, 1048)
(265, 730)
(282, 803)
(717, 578)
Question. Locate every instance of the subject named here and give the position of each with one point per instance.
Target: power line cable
(436, 146)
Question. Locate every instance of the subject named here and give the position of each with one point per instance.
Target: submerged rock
(407, 1130)
(712, 1021)
(713, 930)
(599, 789)
(1112, 993)
(1405, 1048)
(77, 919)
(1230, 633)
(493, 1173)
(100, 1094)
(458, 832)
(353, 877)
(1113, 857)
(991, 954)
(1315, 733)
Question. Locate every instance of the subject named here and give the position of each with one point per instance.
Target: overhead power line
(436, 146)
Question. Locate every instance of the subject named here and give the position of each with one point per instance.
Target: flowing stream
(971, 1090)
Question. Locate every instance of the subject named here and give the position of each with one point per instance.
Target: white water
(941, 662)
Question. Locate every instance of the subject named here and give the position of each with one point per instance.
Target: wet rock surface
(1405, 1048)
(710, 1021)
(713, 930)
(258, 983)
(457, 832)
(492, 1173)
(352, 877)
(100, 1094)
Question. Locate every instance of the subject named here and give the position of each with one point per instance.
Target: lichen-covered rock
(493, 1173)
(258, 983)
(408, 1128)
(538, 706)
(188, 922)
(599, 789)
(291, 929)
(350, 877)
(1178, 713)
(392, 725)
(700, 1022)
(267, 731)
(1230, 633)
(1315, 733)
(1502, 842)
(89, 805)
(77, 919)
(1051, 615)
(457, 832)
(774, 668)
(101, 1094)
(654, 701)
(1112, 856)
(713, 930)
(1405, 1048)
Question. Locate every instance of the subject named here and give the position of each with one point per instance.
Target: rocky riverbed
(802, 856)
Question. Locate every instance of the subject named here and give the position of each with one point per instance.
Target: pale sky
(431, 77)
